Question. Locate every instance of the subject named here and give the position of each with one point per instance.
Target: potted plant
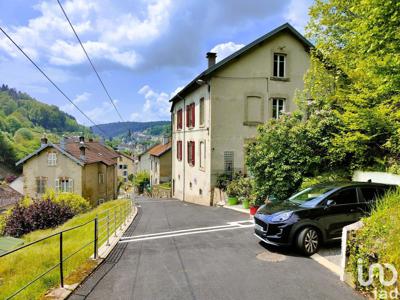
(233, 192)
(255, 203)
(245, 202)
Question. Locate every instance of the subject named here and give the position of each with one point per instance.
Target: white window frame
(202, 111)
(278, 112)
(278, 68)
(41, 184)
(64, 185)
(52, 159)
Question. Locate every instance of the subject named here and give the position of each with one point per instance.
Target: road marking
(175, 233)
(326, 263)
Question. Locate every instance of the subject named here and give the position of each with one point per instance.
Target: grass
(19, 268)
(165, 185)
(378, 240)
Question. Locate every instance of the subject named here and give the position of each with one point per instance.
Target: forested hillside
(22, 122)
(120, 128)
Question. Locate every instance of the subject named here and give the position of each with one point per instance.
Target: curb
(63, 293)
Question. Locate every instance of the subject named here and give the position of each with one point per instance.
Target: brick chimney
(165, 140)
(211, 57)
(81, 139)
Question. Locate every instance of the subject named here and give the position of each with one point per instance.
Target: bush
(240, 187)
(141, 180)
(378, 240)
(340, 176)
(75, 202)
(223, 181)
(39, 215)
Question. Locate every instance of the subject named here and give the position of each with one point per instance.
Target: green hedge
(377, 242)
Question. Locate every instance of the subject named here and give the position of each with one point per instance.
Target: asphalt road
(207, 263)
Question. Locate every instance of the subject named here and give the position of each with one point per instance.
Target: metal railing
(105, 224)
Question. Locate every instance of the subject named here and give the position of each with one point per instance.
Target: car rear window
(372, 193)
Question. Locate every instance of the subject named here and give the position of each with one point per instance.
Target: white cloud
(225, 49)
(156, 105)
(297, 13)
(79, 99)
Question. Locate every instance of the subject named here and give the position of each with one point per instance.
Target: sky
(144, 50)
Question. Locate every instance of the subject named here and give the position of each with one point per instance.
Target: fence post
(95, 238)
(115, 221)
(108, 228)
(61, 261)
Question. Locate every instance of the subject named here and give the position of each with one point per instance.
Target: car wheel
(308, 241)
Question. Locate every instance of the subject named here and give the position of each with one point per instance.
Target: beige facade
(231, 99)
(125, 167)
(161, 168)
(52, 167)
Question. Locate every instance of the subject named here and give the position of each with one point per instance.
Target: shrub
(39, 215)
(240, 187)
(75, 202)
(378, 240)
(141, 180)
(325, 178)
(223, 181)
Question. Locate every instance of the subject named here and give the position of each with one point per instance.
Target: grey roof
(193, 85)
(48, 145)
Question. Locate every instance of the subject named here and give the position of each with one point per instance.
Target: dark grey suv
(316, 214)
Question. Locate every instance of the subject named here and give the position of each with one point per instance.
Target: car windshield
(310, 196)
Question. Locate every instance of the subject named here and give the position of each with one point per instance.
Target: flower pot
(253, 210)
(232, 201)
(246, 204)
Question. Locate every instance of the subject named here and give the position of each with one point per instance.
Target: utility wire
(90, 61)
(51, 81)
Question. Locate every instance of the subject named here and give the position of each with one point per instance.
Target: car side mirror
(330, 203)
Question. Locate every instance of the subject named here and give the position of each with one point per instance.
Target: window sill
(252, 123)
(273, 78)
(202, 169)
(190, 128)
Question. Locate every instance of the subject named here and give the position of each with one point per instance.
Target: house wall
(251, 76)
(38, 166)
(161, 168)
(122, 160)
(144, 163)
(192, 183)
(230, 121)
(93, 189)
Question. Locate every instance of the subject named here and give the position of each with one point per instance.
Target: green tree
(355, 72)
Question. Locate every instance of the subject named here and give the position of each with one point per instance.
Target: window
(371, 194)
(101, 178)
(179, 120)
(179, 150)
(191, 153)
(278, 107)
(52, 159)
(120, 167)
(228, 162)
(279, 65)
(190, 115)
(64, 184)
(347, 196)
(202, 111)
(125, 173)
(202, 151)
(41, 184)
(125, 167)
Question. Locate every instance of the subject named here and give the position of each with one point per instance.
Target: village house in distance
(219, 110)
(87, 168)
(161, 162)
(126, 166)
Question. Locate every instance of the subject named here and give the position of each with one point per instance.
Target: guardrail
(105, 224)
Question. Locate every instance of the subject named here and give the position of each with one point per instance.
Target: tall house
(218, 111)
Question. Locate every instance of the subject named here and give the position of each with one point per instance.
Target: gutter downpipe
(184, 144)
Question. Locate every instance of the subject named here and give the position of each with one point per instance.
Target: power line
(90, 61)
(51, 81)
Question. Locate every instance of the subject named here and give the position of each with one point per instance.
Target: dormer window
(52, 159)
(279, 65)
